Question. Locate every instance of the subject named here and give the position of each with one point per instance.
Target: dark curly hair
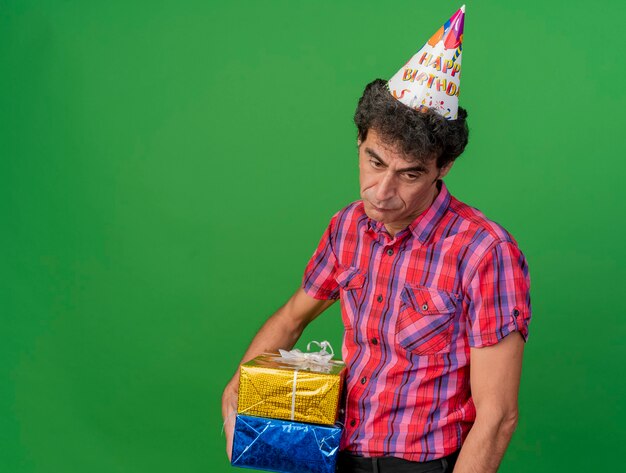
(421, 135)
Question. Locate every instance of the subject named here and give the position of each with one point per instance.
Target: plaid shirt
(412, 306)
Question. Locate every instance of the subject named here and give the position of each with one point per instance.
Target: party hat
(430, 79)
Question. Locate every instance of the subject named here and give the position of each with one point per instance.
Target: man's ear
(444, 170)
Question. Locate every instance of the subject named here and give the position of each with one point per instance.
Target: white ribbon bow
(306, 360)
(302, 359)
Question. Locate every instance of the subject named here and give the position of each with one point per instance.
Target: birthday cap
(430, 79)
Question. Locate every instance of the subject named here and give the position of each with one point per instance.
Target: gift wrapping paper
(284, 446)
(305, 392)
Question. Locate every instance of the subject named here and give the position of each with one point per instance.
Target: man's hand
(229, 412)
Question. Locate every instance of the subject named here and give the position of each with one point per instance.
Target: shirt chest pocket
(425, 321)
(351, 281)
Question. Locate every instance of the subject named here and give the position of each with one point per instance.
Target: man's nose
(385, 188)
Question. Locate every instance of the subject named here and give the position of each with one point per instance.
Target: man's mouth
(380, 209)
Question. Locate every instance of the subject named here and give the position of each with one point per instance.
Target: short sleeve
(499, 296)
(319, 276)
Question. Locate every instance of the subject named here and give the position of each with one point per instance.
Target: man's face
(394, 190)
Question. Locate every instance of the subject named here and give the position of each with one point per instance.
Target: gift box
(296, 388)
(284, 446)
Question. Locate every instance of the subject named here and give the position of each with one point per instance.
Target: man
(434, 296)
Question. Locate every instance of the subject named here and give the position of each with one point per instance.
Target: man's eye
(376, 164)
(412, 177)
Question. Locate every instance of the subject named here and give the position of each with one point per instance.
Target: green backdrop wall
(167, 169)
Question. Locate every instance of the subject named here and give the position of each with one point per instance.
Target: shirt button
(352, 423)
(390, 252)
(515, 313)
(363, 380)
(379, 298)
(424, 306)
(374, 341)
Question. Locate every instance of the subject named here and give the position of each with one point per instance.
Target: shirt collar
(424, 223)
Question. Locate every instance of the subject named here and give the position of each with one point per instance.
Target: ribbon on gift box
(310, 359)
(306, 360)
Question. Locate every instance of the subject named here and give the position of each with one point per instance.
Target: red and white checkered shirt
(412, 306)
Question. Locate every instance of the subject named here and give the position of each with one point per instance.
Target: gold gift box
(266, 389)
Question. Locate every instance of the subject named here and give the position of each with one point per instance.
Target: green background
(167, 168)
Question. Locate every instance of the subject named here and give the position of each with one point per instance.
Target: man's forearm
(279, 331)
(284, 327)
(274, 334)
(485, 445)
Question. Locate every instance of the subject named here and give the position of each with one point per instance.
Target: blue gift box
(284, 446)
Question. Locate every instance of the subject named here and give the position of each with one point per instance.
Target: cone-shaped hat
(431, 77)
